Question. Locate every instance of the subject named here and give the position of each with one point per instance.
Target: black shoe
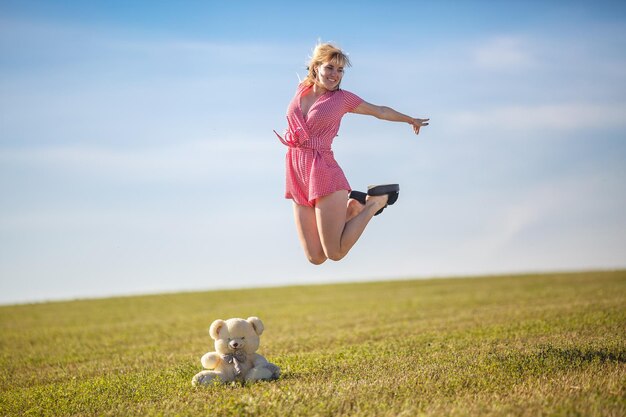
(358, 196)
(391, 190)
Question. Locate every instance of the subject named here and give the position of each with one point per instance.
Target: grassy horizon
(527, 345)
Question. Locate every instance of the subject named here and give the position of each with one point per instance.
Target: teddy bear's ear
(215, 328)
(257, 324)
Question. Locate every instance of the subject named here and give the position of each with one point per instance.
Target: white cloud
(504, 53)
(563, 117)
(192, 161)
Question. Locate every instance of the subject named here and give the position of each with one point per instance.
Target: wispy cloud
(181, 162)
(504, 53)
(559, 118)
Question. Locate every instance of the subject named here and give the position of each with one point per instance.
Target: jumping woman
(330, 216)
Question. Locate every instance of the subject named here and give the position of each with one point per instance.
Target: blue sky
(137, 153)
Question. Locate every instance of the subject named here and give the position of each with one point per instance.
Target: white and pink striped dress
(311, 169)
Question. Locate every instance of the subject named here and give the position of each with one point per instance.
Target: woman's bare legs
(336, 234)
(306, 224)
(329, 230)
(354, 208)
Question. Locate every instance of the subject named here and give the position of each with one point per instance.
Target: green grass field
(537, 345)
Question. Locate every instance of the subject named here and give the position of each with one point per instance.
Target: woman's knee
(317, 259)
(336, 255)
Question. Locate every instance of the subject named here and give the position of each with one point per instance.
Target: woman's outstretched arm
(387, 113)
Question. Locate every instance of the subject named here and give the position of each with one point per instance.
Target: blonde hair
(323, 53)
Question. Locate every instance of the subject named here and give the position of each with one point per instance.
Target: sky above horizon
(137, 153)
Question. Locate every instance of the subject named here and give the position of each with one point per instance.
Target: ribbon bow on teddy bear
(237, 358)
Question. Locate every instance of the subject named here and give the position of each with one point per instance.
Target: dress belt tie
(291, 140)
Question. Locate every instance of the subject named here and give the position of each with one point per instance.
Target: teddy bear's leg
(206, 378)
(266, 372)
(258, 373)
(275, 370)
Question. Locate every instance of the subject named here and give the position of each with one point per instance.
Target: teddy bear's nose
(234, 344)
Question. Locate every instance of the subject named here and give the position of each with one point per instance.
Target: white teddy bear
(235, 359)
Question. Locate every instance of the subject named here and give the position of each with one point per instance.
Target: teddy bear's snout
(236, 344)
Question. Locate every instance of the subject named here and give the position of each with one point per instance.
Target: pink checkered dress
(312, 171)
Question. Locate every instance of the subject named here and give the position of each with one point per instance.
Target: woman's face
(329, 75)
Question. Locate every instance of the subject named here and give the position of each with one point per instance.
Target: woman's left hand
(417, 123)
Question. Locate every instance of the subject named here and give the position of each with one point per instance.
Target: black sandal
(358, 196)
(391, 190)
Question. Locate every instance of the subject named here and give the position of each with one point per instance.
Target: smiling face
(326, 67)
(329, 75)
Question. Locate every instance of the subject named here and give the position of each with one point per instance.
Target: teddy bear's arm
(210, 360)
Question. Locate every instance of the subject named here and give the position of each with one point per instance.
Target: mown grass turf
(534, 345)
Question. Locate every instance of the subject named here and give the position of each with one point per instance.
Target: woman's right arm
(387, 113)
